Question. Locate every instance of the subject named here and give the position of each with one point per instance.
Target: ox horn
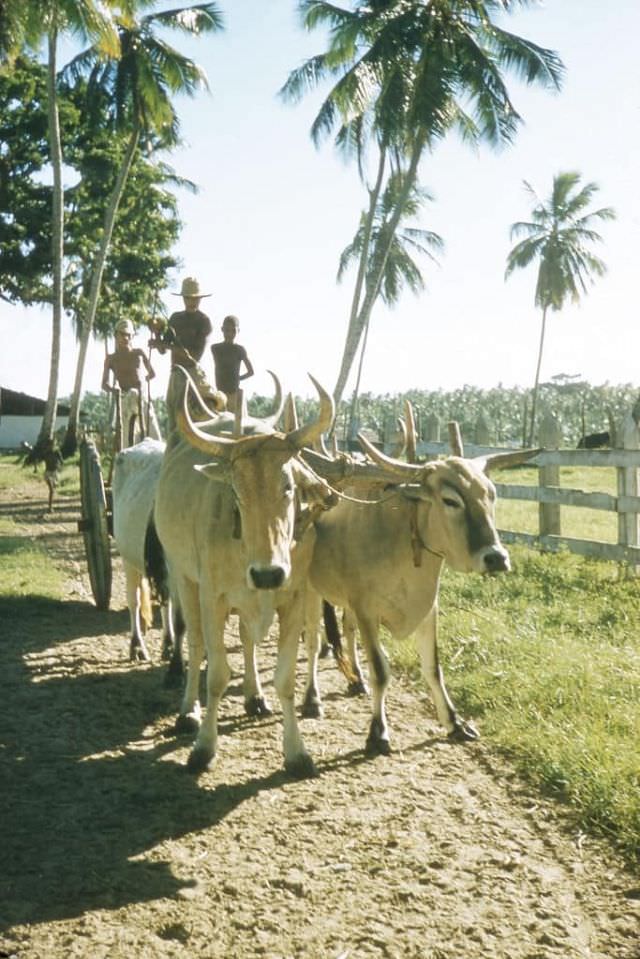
(278, 403)
(410, 432)
(219, 446)
(401, 470)
(289, 414)
(512, 458)
(307, 435)
(455, 439)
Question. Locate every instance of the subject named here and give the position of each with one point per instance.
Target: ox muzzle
(494, 559)
(267, 577)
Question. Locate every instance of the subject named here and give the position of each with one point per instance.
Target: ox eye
(451, 502)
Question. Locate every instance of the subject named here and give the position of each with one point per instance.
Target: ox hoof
(464, 733)
(200, 761)
(311, 708)
(376, 746)
(138, 653)
(302, 767)
(358, 688)
(186, 724)
(378, 739)
(257, 706)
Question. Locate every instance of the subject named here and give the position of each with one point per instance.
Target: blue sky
(273, 213)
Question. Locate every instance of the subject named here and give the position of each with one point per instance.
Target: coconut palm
(140, 85)
(557, 237)
(23, 23)
(412, 71)
(400, 269)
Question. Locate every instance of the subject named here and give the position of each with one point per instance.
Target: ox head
(262, 470)
(455, 512)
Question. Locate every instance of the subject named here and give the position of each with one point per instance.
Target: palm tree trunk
(350, 348)
(534, 395)
(57, 243)
(374, 282)
(71, 438)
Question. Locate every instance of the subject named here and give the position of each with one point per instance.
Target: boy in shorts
(228, 357)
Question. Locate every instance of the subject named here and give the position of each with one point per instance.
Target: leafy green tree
(23, 25)
(409, 72)
(140, 84)
(558, 237)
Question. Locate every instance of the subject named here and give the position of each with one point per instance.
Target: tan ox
(383, 564)
(226, 511)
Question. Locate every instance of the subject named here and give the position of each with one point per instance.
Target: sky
(273, 213)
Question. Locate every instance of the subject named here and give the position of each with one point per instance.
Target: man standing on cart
(126, 366)
(186, 335)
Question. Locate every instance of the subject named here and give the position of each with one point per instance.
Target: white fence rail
(550, 495)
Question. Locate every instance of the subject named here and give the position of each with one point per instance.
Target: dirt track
(110, 849)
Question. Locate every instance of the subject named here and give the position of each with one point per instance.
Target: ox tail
(334, 639)
(146, 612)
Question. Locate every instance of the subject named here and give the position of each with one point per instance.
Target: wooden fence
(550, 495)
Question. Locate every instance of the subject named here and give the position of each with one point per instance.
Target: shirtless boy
(228, 357)
(126, 363)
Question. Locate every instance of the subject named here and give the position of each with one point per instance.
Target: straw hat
(191, 287)
(125, 326)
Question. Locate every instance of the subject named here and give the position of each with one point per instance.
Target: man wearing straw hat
(186, 336)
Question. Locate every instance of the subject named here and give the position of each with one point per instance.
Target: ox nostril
(496, 561)
(272, 577)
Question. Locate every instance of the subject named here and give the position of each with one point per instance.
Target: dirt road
(110, 849)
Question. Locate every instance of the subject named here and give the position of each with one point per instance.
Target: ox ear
(214, 471)
(500, 460)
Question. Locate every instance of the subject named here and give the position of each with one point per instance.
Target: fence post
(550, 436)
(482, 432)
(431, 428)
(629, 485)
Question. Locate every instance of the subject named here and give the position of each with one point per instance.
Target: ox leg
(137, 646)
(357, 686)
(175, 669)
(379, 675)
(255, 703)
(188, 720)
(427, 642)
(297, 760)
(312, 703)
(218, 676)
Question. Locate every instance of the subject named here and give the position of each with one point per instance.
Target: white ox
(225, 511)
(382, 564)
(135, 477)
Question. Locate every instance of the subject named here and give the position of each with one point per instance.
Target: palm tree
(558, 236)
(401, 269)
(23, 23)
(410, 71)
(140, 84)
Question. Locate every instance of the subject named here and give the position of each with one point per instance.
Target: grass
(25, 567)
(547, 659)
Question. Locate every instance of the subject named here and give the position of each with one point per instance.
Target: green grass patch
(25, 567)
(547, 659)
(13, 475)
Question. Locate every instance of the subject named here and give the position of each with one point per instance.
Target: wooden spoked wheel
(94, 524)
